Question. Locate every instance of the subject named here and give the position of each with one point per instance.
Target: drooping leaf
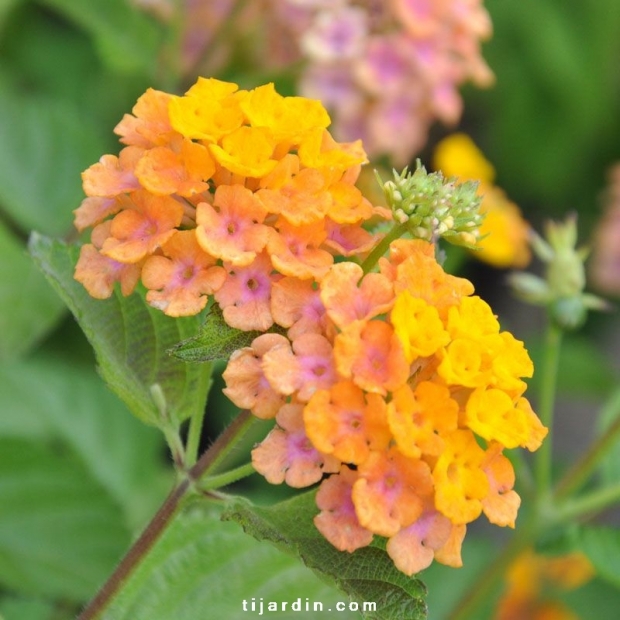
(130, 340)
(60, 533)
(367, 575)
(127, 38)
(215, 340)
(29, 307)
(602, 546)
(202, 568)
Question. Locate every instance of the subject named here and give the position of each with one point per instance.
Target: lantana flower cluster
(221, 192)
(394, 389)
(388, 70)
(398, 392)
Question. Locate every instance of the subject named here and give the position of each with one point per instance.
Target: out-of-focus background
(79, 475)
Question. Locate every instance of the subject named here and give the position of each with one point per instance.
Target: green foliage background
(79, 475)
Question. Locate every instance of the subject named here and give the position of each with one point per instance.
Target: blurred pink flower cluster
(386, 70)
(605, 262)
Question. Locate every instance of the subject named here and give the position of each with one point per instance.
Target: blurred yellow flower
(532, 577)
(504, 231)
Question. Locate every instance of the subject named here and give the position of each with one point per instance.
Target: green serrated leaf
(60, 533)
(602, 546)
(202, 568)
(215, 340)
(367, 575)
(29, 308)
(130, 340)
(127, 39)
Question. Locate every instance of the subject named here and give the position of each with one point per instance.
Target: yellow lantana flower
(504, 231)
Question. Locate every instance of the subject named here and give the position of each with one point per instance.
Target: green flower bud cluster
(562, 288)
(434, 206)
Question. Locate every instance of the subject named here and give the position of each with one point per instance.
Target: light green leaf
(215, 340)
(60, 534)
(127, 38)
(72, 406)
(203, 568)
(602, 546)
(44, 144)
(130, 340)
(368, 574)
(29, 307)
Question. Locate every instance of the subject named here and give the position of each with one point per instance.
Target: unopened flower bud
(562, 289)
(435, 206)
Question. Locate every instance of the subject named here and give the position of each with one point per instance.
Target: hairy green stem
(195, 428)
(177, 450)
(549, 374)
(210, 483)
(397, 231)
(158, 524)
(578, 475)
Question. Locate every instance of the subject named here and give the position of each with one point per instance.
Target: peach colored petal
(346, 302)
(113, 175)
(348, 206)
(246, 385)
(165, 171)
(98, 273)
(150, 125)
(302, 370)
(245, 296)
(345, 422)
(371, 355)
(349, 240)
(413, 548)
(450, 553)
(303, 200)
(94, 210)
(141, 229)
(337, 520)
(390, 490)
(181, 280)
(286, 454)
(294, 250)
(232, 228)
(502, 503)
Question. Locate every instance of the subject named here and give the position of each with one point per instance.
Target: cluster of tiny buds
(434, 206)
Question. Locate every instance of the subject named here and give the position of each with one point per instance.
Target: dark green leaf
(60, 534)
(29, 307)
(203, 568)
(602, 546)
(127, 39)
(216, 340)
(130, 339)
(368, 574)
